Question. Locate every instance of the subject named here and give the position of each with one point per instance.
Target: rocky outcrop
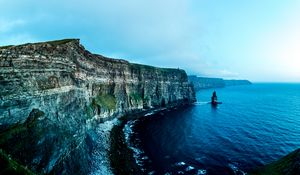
(52, 93)
(205, 82)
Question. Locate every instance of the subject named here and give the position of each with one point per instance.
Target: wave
(236, 170)
(202, 103)
(132, 142)
(186, 168)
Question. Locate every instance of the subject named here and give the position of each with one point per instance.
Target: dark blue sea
(255, 125)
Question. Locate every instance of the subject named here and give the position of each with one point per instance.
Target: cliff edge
(52, 93)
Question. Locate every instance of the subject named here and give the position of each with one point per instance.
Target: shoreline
(100, 163)
(120, 154)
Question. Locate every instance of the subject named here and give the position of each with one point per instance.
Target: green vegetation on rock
(20, 128)
(54, 42)
(10, 166)
(89, 111)
(288, 165)
(146, 99)
(147, 67)
(99, 102)
(59, 42)
(136, 97)
(11, 132)
(107, 101)
(5, 47)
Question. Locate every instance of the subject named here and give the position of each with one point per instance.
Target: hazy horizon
(257, 40)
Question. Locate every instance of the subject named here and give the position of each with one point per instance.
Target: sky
(257, 40)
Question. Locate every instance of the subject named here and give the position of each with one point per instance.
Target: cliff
(53, 93)
(205, 82)
(288, 165)
(236, 82)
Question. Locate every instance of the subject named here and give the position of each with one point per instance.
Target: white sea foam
(189, 168)
(180, 163)
(201, 102)
(100, 164)
(201, 172)
(138, 154)
(200, 159)
(151, 173)
(149, 113)
(235, 169)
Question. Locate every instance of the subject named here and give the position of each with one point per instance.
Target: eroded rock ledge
(51, 93)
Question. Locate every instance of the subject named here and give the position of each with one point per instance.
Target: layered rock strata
(51, 93)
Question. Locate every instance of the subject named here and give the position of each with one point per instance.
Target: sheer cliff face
(52, 92)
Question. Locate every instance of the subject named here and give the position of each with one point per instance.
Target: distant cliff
(205, 82)
(236, 82)
(51, 93)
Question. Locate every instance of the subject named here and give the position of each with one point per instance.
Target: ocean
(255, 125)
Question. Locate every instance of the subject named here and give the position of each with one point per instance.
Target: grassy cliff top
(93, 56)
(148, 67)
(288, 165)
(54, 42)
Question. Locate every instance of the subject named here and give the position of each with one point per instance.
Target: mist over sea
(255, 125)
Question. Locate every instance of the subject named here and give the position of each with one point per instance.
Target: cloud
(17, 39)
(10, 33)
(160, 33)
(7, 25)
(228, 74)
(203, 37)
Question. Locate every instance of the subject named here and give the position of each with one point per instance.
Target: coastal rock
(53, 93)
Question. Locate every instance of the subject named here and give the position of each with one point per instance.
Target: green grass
(54, 42)
(58, 42)
(10, 166)
(105, 101)
(286, 165)
(12, 132)
(21, 128)
(136, 97)
(146, 98)
(165, 72)
(20, 141)
(5, 47)
(147, 67)
(90, 111)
